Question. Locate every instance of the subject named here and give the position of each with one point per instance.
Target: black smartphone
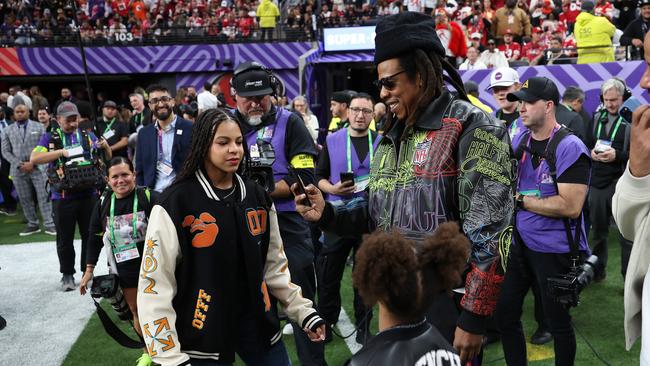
(347, 177)
(301, 185)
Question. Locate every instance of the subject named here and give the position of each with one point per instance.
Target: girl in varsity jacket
(214, 264)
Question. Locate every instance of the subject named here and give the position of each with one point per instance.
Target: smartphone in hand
(301, 185)
(347, 177)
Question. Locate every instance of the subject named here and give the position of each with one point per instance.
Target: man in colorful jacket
(441, 159)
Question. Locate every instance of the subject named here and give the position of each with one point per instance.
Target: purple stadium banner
(158, 59)
(588, 77)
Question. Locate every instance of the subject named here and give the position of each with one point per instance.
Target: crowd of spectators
(523, 31)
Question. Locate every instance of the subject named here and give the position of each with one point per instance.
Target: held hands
(640, 142)
(467, 344)
(26, 167)
(318, 335)
(606, 156)
(315, 196)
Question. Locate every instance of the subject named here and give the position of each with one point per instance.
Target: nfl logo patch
(421, 152)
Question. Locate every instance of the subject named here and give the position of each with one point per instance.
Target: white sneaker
(287, 330)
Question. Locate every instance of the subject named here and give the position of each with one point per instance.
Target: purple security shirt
(541, 233)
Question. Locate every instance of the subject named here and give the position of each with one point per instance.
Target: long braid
(428, 66)
(202, 135)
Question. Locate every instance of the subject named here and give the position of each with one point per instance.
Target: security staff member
(606, 137)
(114, 131)
(636, 30)
(70, 209)
(347, 151)
(253, 85)
(541, 243)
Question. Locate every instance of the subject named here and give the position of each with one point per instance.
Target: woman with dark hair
(214, 265)
(389, 272)
(118, 224)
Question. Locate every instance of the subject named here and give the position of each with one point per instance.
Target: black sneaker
(29, 230)
(3, 323)
(67, 283)
(541, 336)
(50, 230)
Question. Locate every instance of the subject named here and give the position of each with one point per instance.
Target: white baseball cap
(503, 76)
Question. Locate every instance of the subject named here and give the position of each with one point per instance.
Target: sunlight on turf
(539, 352)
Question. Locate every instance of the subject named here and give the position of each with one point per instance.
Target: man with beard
(162, 145)
(43, 116)
(511, 49)
(426, 161)
(636, 30)
(272, 127)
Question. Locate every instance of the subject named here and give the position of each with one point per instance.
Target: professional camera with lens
(108, 287)
(262, 157)
(565, 289)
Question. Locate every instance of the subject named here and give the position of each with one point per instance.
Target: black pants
(67, 214)
(331, 265)
(526, 267)
(6, 186)
(600, 205)
(300, 254)
(267, 32)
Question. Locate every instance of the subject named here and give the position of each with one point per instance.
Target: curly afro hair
(389, 270)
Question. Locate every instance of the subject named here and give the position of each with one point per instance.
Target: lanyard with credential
(63, 138)
(348, 149)
(538, 172)
(111, 218)
(613, 134)
(108, 126)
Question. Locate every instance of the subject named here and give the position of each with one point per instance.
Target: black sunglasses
(387, 82)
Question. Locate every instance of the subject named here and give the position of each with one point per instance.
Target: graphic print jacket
(197, 249)
(455, 165)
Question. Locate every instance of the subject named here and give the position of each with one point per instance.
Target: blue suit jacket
(146, 155)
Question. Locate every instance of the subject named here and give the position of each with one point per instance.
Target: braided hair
(430, 67)
(203, 132)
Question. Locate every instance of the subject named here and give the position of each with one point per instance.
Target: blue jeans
(275, 356)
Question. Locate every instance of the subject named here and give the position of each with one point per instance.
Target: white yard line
(346, 327)
(42, 321)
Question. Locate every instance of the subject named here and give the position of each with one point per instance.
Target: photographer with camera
(607, 136)
(214, 267)
(75, 176)
(119, 224)
(271, 130)
(549, 236)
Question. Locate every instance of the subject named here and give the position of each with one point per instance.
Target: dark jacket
(566, 116)
(406, 345)
(207, 262)
(146, 156)
(635, 29)
(604, 174)
(454, 166)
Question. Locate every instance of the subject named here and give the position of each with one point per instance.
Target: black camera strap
(114, 331)
(573, 239)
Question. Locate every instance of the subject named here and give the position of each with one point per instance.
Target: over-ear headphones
(248, 66)
(627, 93)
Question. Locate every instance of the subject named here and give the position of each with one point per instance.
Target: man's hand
(103, 144)
(607, 156)
(637, 42)
(640, 142)
(26, 167)
(315, 196)
(467, 344)
(343, 188)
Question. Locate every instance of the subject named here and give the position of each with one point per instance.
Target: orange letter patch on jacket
(206, 225)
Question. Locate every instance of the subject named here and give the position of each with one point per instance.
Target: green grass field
(599, 318)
